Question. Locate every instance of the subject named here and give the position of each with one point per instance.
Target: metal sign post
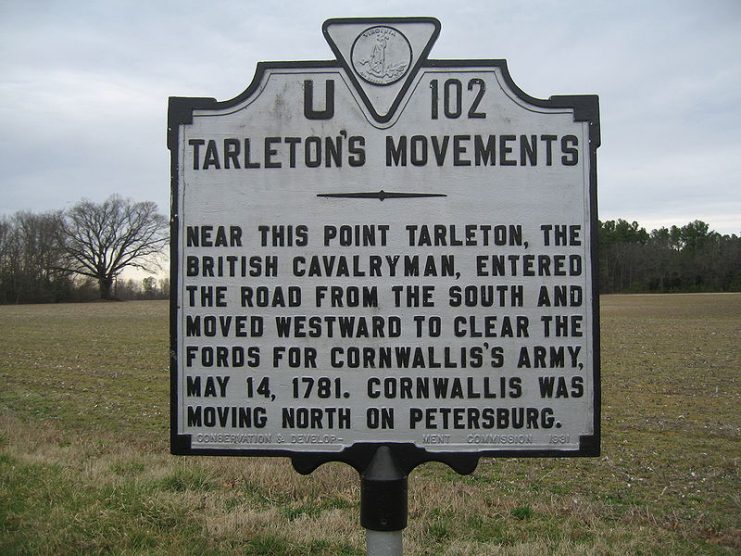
(383, 503)
(384, 259)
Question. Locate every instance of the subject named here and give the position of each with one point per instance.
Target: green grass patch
(313, 508)
(522, 512)
(187, 478)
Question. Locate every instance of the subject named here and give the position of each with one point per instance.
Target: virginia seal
(381, 55)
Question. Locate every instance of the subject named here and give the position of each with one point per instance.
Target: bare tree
(103, 239)
(30, 259)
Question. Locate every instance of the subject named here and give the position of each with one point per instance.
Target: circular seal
(381, 55)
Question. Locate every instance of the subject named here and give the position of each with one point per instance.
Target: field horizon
(85, 464)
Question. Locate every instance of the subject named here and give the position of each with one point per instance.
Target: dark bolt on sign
(384, 249)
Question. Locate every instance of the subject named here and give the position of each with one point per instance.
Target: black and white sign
(384, 249)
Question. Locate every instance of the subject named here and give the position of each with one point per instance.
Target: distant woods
(692, 258)
(79, 255)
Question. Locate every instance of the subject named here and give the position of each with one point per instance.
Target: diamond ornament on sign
(381, 57)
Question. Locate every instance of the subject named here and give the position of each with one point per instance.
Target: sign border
(409, 455)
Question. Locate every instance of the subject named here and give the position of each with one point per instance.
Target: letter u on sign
(309, 111)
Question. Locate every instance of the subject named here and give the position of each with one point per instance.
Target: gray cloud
(83, 97)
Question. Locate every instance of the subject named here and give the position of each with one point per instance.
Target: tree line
(79, 255)
(691, 258)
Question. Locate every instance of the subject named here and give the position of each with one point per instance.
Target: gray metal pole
(383, 504)
(383, 543)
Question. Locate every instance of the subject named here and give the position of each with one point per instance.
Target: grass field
(84, 463)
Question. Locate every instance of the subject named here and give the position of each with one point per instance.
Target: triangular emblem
(381, 56)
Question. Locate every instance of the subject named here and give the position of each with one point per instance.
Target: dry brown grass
(84, 466)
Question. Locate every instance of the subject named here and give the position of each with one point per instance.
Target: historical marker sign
(384, 249)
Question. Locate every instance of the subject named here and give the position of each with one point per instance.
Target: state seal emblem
(381, 55)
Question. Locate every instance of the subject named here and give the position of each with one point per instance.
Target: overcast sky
(84, 88)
